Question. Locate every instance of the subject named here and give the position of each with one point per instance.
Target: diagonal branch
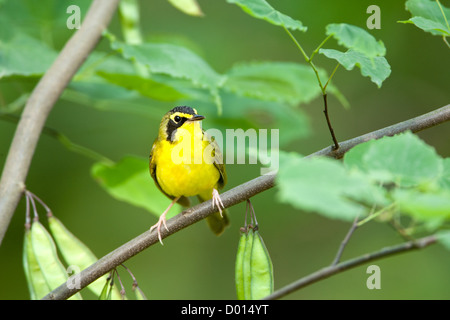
(230, 198)
(352, 263)
(41, 102)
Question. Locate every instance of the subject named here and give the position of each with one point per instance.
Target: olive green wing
(184, 201)
(218, 160)
(217, 222)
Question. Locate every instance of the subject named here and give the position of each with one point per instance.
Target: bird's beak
(196, 118)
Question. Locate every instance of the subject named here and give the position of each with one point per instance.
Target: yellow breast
(181, 169)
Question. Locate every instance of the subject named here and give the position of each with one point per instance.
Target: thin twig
(322, 87)
(318, 48)
(331, 76)
(346, 265)
(344, 242)
(230, 198)
(325, 111)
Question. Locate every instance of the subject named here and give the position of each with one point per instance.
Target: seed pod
(44, 250)
(253, 269)
(76, 253)
(104, 294)
(261, 268)
(239, 266)
(36, 282)
(139, 294)
(247, 264)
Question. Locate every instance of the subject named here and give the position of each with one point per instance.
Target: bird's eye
(177, 118)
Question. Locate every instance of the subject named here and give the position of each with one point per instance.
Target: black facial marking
(178, 121)
(172, 126)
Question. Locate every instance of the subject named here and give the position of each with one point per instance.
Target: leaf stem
(76, 147)
(443, 14)
(446, 22)
(376, 214)
(65, 141)
(89, 69)
(307, 59)
(322, 87)
(320, 46)
(445, 41)
(331, 76)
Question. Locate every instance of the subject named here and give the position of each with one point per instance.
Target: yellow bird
(185, 162)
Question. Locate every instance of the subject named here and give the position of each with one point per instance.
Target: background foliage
(225, 37)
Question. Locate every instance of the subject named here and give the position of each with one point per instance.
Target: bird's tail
(216, 222)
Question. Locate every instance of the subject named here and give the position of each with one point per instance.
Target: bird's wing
(218, 161)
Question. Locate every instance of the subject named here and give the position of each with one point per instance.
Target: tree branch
(340, 267)
(230, 198)
(40, 103)
(416, 124)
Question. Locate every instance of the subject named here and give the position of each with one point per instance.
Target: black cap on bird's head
(184, 109)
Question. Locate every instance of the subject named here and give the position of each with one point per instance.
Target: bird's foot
(162, 221)
(217, 202)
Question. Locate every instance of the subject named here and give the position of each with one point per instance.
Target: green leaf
(145, 86)
(109, 97)
(172, 60)
(427, 15)
(76, 253)
(356, 39)
(427, 25)
(44, 20)
(129, 180)
(430, 207)
(249, 113)
(262, 10)
(22, 55)
(377, 69)
(274, 81)
(326, 187)
(445, 179)
(443, 238)
(403, 159)
(189, 7)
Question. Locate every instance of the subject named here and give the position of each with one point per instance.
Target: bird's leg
(217, 202)
(162, 220)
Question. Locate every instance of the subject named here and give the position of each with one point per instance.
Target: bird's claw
(217, 201)
(161, 221)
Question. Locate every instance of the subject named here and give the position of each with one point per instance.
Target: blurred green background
(194, 264)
